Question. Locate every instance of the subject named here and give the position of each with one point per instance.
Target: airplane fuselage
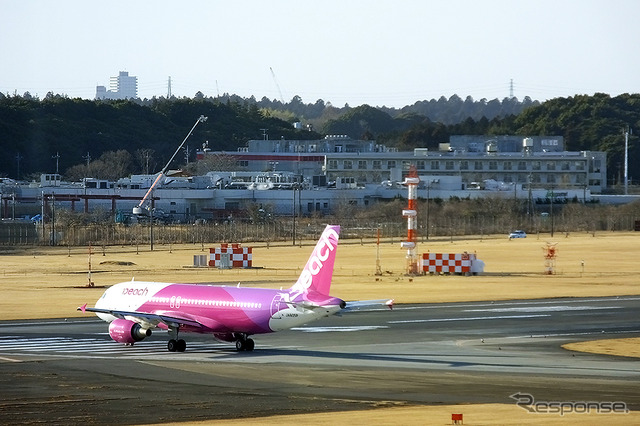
(219, 309)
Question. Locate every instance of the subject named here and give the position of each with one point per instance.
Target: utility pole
(552, 224)
(626, 161)
(293, 188)
(57, 157)
(18, 158)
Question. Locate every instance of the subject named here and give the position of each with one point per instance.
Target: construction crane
(275, 80)
(141, 208)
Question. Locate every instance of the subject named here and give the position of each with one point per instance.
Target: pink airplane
(230, 314)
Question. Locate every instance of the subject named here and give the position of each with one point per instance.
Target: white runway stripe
(92, 346)
(468, 319)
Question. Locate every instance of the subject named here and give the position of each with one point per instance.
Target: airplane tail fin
(317, 273)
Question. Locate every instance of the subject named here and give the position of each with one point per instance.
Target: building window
(522, 165)
(551, 165)
(391, 164)
(464, 165)
(565, 165)
(493, 165)
(435, 165)
(377, 164)
(535, 165)
(551, 178)
(347, 165)
(333, 164)
(507, 165)
(477, 165)
(421, 165)
(580, 165)
(406, 165)
(362, 164)
(448, 165)
(242, 163)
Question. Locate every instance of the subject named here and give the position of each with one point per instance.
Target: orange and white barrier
(230, 256)
(451, 263)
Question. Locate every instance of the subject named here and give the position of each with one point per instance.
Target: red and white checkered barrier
(238, 257)
(447, 263)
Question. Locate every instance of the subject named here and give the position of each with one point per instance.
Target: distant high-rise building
(122, 86)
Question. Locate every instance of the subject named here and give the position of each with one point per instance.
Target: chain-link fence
(442, 221)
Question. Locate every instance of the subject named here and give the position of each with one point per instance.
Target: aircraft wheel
(249, 345)
(240, 345)
(172, 345)
(181, 345)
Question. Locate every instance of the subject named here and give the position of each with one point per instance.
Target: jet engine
(128, 332)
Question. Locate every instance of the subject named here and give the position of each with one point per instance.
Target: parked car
(518, 234)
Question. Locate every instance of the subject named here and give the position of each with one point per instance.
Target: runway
(71, 372)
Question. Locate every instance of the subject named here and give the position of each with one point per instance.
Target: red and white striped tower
(411, 181)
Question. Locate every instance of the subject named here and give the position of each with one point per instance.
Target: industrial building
(315, 177)
(538, 161)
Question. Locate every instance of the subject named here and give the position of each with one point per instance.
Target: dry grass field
(473, 414)
(39, 282)
(42, 282)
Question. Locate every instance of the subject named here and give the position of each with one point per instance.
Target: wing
(146, 317)
(362, 305)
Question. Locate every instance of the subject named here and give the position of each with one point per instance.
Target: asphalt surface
(70, 372)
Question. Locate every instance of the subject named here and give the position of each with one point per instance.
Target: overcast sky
(377, 52)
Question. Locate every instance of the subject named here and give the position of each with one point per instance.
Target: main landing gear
(177, 345)
(244, 343)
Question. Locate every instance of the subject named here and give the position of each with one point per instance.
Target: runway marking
(338, 329)
(545, 309)
(400, 307)
(91, 346)
(582, 333)
(468, 319)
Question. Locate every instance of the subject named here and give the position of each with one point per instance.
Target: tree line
(115, 138)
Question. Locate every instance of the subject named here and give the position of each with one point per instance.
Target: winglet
(82, 308)
(389, 303)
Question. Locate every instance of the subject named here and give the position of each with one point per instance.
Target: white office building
(122, 86)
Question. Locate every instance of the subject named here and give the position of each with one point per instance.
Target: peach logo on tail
(316, 262)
